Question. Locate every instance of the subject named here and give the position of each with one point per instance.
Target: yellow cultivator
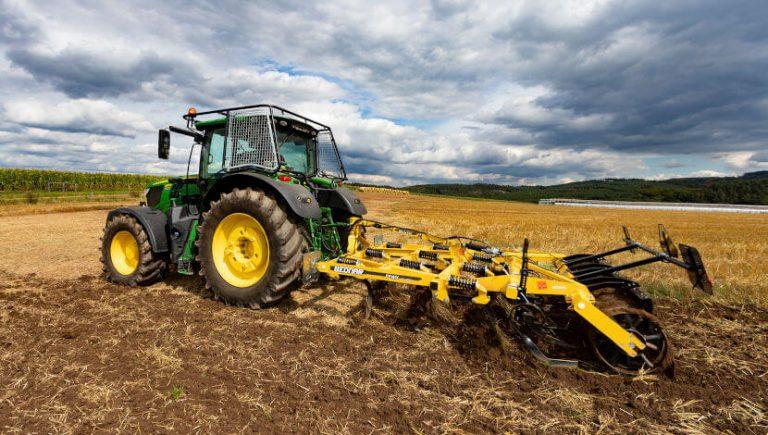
(562, 298)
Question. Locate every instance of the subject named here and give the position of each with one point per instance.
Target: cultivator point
(561, 298)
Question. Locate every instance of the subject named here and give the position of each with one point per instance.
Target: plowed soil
(78, 355)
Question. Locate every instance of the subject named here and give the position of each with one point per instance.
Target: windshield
(295, 149)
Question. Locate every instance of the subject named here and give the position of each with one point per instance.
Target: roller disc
(655, 358)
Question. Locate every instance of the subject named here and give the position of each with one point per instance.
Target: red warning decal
(541, 285)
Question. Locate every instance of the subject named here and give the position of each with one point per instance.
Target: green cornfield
(26, 180)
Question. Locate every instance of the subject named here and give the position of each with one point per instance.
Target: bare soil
(79, 355)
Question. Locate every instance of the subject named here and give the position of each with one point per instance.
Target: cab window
(294, 154)
(215, 154)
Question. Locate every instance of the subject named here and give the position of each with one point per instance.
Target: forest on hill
(750, 188)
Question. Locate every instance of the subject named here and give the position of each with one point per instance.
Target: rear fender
(342, 199)
(299, 199)
(155, 223)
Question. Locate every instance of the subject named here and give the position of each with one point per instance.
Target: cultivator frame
(457, 267)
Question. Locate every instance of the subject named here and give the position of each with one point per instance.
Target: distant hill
(750, 188)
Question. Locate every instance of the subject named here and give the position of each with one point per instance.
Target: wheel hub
(244, 251)
(124, 253)
(240, 250)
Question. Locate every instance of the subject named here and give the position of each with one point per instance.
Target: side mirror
(163, 144)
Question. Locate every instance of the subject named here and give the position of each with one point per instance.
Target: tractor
(268, 211)
(269, 190)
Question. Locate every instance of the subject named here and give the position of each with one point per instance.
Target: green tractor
(268, 202)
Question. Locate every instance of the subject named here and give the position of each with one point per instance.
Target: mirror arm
(195, 135)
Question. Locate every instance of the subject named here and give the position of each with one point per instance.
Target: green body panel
(325, 182)
(324, 234)
(157, 183)
(190, 252)
(175, 191)
(164, 204)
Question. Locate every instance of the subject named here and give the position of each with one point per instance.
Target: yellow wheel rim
(240, 250)
(124, 253)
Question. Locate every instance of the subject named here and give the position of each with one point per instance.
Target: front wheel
(126, 254)
(250, 249)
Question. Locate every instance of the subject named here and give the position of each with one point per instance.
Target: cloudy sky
(416, 91)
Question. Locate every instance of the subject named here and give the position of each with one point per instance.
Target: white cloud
(82, 115)
(708, 173)
(745, 161)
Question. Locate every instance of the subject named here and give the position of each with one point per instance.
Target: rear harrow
(567, 302)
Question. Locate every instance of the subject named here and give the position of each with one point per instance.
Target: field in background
(38, 180)
(20, 188)
(731, 245)
(80, 355)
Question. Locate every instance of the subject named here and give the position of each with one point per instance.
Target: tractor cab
(260, 138)
(295, 144)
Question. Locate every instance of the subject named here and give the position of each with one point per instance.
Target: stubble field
(78, 354)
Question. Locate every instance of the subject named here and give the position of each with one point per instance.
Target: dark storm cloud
(681, 77)
(15, 28)
(81, 74)
(760, 157)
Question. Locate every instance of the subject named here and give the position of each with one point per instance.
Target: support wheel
(250, 249)
(655, 358)
(126, 254)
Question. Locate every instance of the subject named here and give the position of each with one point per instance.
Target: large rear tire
(126, 254)
(250, 249)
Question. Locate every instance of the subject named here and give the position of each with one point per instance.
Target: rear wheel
(250, 249)
(126, 254)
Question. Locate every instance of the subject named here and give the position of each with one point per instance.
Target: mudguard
(155, 223)
(344, 199)
(299, 199)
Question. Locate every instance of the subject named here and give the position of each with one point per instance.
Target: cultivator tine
(541, 357)
(522, 286)
(368, 299)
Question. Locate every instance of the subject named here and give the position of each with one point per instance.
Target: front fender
(155, 223)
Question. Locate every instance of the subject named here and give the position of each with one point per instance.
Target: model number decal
(350, 270)
(358, 271)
